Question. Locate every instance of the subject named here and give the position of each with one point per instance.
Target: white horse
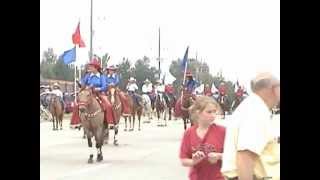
(147, 109)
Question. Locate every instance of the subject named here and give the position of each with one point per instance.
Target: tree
(123, 71)
(52, 68)
(142, 71)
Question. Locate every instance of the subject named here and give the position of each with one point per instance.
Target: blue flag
(185, 59)
(69, 56)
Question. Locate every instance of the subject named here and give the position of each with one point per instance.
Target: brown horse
(92, 120)
(136, 108)
(56, 111)
(114, 98)
(186, 101)
(224, 104)
(161, 108)
(171, 102)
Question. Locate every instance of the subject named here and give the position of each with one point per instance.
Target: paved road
(149, 154)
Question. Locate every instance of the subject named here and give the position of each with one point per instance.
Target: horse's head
(84, 99)
(112, 93)
(187, 100)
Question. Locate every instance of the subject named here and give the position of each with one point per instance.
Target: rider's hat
(189, 74)
(56, 85)
(95, 63)
(112, 67)
(147, 81)
(132, 79)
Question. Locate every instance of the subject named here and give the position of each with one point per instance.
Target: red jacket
(168, 89)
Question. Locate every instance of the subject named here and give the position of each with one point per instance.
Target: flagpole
(75, 75)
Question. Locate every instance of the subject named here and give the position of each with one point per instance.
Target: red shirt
(214, 141)
(168, 89)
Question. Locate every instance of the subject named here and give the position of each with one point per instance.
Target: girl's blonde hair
(200, 104)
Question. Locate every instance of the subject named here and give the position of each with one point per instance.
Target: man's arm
(245, 164)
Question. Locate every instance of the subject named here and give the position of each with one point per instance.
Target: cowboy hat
(95, 63)
(189, 73)
(147, 81)
(132, 79)
(112, 67)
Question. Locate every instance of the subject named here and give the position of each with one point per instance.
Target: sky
(240, 38)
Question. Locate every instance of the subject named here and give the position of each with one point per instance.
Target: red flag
(76, 37)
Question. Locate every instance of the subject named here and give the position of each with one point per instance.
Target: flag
(185, 59)
(69, 56)
(76, 37)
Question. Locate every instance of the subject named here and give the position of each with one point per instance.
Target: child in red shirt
(202, 144)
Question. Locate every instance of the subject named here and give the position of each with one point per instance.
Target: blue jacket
(114, 80)
(97, 81)
(191, 85)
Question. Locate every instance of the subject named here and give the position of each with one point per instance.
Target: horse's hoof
(139, 129)
(99, 157)
(60, 128)
(131, 129)
(115, 142)
(90, 160)
(83, 137)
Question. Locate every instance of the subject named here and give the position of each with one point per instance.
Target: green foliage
(53, 68)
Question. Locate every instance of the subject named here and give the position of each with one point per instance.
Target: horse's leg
(106, 133)
(99, 137)
(115, 137)
(169, 113)
(139, 118)
(133, 120)
(125, 120)
(57, 121)
(84, 134)
(90, 160)
(61, 119)
(184, 123)
(53, 128)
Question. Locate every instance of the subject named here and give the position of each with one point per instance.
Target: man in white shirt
(147, 87)
(160, 88)
(251, 148)
(56, 90)
(132, 88)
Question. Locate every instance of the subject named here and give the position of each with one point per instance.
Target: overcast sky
(238, 37)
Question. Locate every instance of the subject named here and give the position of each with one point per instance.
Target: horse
(170, 101)
(92, 119)
(236, 102)
(187, 100)
(161, 108)
(114, 98)
(136, 108)
(224, 104)
(57, 111)
(147, 108)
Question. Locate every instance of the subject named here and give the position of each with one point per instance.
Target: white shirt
(147, 88)
(132, 87)
(57, 92)
(250, 128)
(160, 88)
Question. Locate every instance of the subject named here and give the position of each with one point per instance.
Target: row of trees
(53, 68)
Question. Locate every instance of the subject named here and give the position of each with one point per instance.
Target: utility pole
(159, 56)
(91, 52)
